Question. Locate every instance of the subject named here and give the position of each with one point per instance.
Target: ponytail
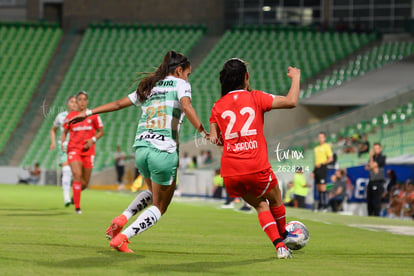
(171, 61)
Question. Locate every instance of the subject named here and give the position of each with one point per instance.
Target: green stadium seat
(374, 58)
(25, 50)
(105, 64)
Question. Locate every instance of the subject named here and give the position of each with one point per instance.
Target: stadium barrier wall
(107, 176)
(195, 182)
(12, 175)
(359, 178)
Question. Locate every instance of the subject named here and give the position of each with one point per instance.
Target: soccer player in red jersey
(81, 147)
(236, 123)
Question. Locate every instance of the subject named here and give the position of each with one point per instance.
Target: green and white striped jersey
(162, 115)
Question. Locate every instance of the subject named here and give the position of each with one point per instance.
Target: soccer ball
(298, 235)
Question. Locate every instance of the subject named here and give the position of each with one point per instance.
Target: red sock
(279, 214)
(269, 226)
(76, 190)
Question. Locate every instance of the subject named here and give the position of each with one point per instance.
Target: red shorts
(87, 160)
(257, 184)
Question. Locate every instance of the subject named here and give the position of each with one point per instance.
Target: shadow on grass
(37, 215)
(64, 245)
(95, 261)
(28, 209)
(185, 253)
(101, 259)
(205, 267)
(33, 212)
(109, 257)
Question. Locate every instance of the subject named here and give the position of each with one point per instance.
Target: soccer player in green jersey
(63, 160)
(165, 98)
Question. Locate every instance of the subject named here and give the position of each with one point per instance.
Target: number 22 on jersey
(245, 130)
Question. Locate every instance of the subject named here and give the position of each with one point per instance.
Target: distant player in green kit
(63, 160)
(165, 98)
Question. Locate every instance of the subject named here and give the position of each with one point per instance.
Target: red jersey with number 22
(240, 115)
(82, 131)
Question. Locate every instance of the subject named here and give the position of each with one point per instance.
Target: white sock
(146, 220)
(66, 179)
(141, 201)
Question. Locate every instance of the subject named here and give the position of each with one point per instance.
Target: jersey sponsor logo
(146, 223)
(80, 128)
(243, 146)
(151, 136)
(141, 206)
(165, 83)
(158, 93)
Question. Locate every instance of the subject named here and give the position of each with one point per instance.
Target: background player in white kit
(63, 160)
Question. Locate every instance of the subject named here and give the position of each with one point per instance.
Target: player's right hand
(52, 146)
(293, 72)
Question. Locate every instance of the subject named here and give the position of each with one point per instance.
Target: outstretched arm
(192, 115)
(291, 99)
(108, 107)
(113, 106)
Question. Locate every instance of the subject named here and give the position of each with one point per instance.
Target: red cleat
(120, 243)
(116, 226)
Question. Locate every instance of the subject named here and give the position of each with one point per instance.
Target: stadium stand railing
(105, 65)
(25, 51)
(372, 59)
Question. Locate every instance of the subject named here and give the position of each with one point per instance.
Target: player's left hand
(78, 118)
(293, 72)
(217, 141)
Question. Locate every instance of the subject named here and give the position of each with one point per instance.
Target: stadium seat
(25, 51)
(268, 51)
(372, 59)
(106, 65)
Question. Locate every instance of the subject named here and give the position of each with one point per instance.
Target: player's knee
(77, 177)
(261, 207)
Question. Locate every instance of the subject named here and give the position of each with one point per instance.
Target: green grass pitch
(41, 237)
